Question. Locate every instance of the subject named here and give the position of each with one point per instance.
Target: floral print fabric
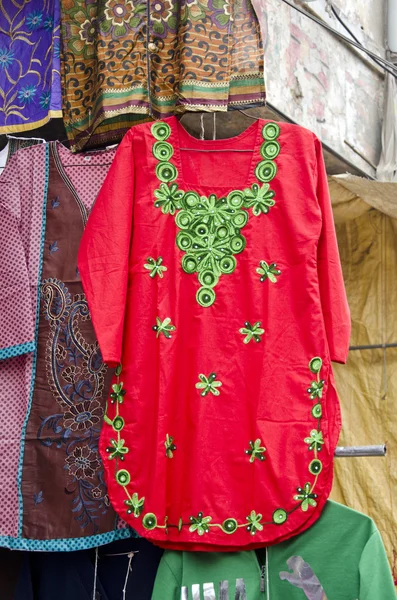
(127, 61)
(29, 64)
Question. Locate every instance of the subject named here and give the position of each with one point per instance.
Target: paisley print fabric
(127, 61)
(54, 496)
(29, 64)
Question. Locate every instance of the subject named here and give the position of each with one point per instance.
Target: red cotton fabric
(214, 278)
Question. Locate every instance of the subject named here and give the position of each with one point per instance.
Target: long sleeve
(332, 290)
(104, 253)
(376, 581)
(16, 313)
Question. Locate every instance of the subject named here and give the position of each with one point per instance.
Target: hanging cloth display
(30, 87)
(52, 377)
(125, 62)
(340, 558)
(213, 276)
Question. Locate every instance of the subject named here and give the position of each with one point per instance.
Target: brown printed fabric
(63, 487)
(127, 61)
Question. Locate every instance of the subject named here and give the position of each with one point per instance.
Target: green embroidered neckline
(210, 227)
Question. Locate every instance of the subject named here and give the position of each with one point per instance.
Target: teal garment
(341, 557)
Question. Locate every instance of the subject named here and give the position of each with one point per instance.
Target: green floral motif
(155, 266)
(306, 497)
(118, 393)
(256, 450)
(135, 505)
(316, 389)
(168, 198)
(210, 227)
(259, 198)
(208, 384)
(169, 446)
(117, 449)
(315, 440)
(200, 524)
(252, 332)
(269, 272)
(254, 521)
(163, 327)
(210, 237)
(316, 364)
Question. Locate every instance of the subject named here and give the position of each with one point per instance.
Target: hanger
(214, 137)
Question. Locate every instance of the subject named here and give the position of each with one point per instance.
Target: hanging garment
(341, 557)
(30, 87)
(129, 564)
(125, 62)
(53, 381)
(214, 278)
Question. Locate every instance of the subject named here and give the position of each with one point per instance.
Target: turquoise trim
(25, 424)
(66, 544)
(17, 350)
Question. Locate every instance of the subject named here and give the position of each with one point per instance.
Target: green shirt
(341, 557)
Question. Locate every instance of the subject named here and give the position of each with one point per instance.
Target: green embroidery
(155, 267)
(208, 384)
(123, 477)
(280, 516)
(316, 466)
(118, 393)
(168, 198)
(260, 199)
(306, 497)
(163, 327)
(117, 449)
(254, 521)
(315, 440)
(199, 524)
(316, 389)
(163, 151)
(161, 131)
(269, 272)
(149, 521)
(169, 446)
(252, 332)
(229, 525)
(210, 227)
(256, 451)
(135, 505)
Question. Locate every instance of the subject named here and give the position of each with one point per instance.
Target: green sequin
(316, 466)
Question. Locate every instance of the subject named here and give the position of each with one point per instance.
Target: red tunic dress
(214, 278)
